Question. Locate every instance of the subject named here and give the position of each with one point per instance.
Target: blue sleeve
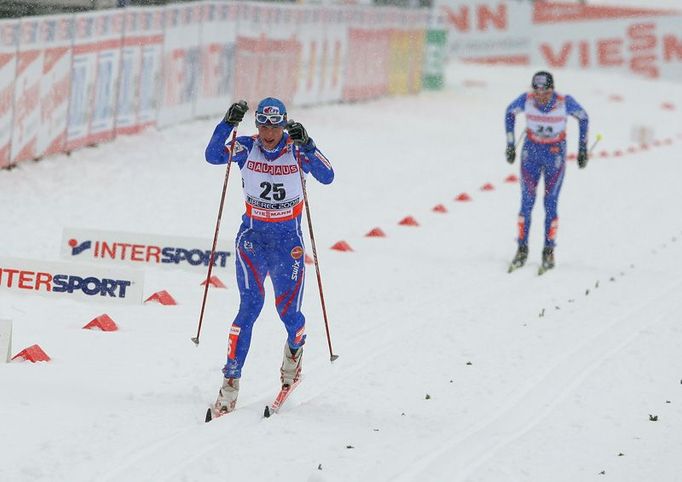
(574, 109)
(217, 151)
(314, 162)
(518, 105)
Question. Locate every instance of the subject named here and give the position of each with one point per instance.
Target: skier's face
(270, 135)
(543, 95)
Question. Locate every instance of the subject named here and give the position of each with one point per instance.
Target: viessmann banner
(69, 280)
(644, 42)
(89, 245)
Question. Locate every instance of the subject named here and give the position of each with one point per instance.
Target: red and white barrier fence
(69, 81)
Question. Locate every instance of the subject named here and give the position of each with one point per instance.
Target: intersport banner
(71, 281)
(139, 84)
(100, 246)
(96, 58)
(9, 43)
(57, 35)
(181, 63)
(218, 57)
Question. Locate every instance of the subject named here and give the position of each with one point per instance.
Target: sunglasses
(541, 87)
(274, 119)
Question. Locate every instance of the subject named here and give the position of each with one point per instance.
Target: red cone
(376, 233)
(33, 354)
(408, 221)
(215, 282)
(342, 246)
(617, 153)
(308, 260)
(604, 154)
(163, 297)
(668, 106)
(616, 98)
(487, 187)
(102, 322)
(439, 208)
(463, 197)
(511, 178)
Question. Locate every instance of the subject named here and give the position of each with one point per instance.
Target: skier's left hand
(582, 156)
(297, 133)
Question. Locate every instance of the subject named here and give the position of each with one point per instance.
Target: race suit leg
(287, 272)
(251, 264)
(531, 168)
(554, 168)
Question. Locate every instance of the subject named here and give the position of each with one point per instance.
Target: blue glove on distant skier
(582, 156)
(511, 153)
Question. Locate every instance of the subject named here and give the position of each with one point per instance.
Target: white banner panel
(68, 280)
(334, 54)
(57, 34)
(669, 31)
(218, 44)
(27, 91)
(140, 74)
(181, 63)
(267, 53)
(9, 42)
(143, 249)
(108, 42)
(488, 30)
(5, 340)
(308, 32)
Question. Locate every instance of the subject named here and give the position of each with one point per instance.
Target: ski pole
(332, 357)
(594, 144)
(521, 138)
(195, 339)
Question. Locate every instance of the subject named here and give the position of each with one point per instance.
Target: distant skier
(543, 152)
(269, 241)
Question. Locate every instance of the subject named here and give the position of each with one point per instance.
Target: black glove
(298, 133)
(511, 154)
(235, 114)
(582, 156)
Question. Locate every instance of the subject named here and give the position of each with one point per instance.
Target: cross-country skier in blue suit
(543, 152)
(269, 241)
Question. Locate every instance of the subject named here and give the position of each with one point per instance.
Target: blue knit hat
(271, 111)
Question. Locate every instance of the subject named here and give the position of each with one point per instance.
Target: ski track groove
(159, 449)
(459, 457)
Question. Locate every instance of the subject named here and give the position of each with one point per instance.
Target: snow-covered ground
(450, 369)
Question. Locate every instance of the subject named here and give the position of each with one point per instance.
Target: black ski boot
(547, 260)
(519, 258)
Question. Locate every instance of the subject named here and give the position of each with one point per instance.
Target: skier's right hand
(511, 154)
(235, 114)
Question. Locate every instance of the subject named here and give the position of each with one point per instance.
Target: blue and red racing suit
(269, 241)
(544, 151)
